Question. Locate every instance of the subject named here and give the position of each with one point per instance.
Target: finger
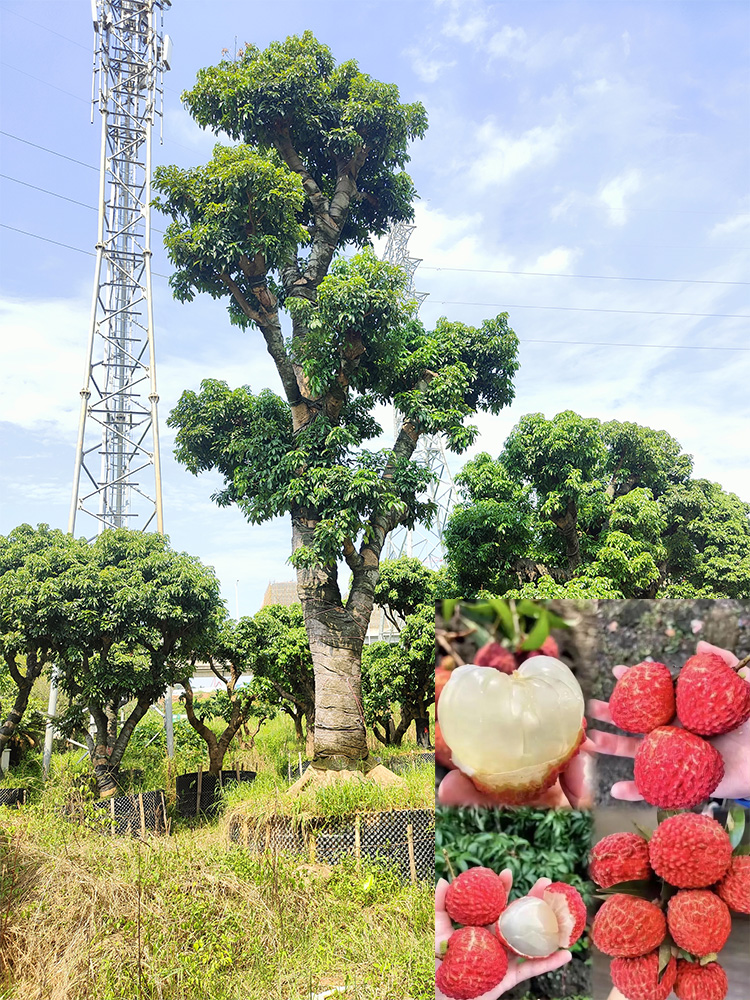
(599, 710)
(506, 876)
(539, 886)
(576, 780)
(536, 966)
(626, 791)
(728, 657)
(458, 790)
(620, 670)
(619, 746)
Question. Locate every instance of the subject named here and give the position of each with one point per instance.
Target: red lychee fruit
(474, 963)
(638, 978)
(548, 648)
(621, 857)
(442, 750)
(690, 851)
(734, 888)
(700, 982)
(476, 897)
(442, 676)
(628, 926)
(497, 656)
(643, 698)
(698, 921)
(711, 697)
(675, 769)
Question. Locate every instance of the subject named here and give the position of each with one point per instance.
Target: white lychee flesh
(509, 731)
(529, 926)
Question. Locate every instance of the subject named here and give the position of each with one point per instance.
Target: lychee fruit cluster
(675, 768)
(476, 957)
(693, 855)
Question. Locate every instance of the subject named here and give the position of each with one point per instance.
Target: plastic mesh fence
(143, 812)
(12, 796)
(404, 838)
(197, 793)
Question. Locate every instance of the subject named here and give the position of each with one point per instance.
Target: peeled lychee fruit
(698, 921)
(675, 769)
(476, 897)
(474, 963)
(494, 655)
(621, 857)
(690, 851)
(512, 733)
(700, 982)
(643, 698)
(535, 927)
(711, 697)
(638, 978)
(628, 926)
(734, 888)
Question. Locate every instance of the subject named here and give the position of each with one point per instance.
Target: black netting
(143, 812)
(196, 796)
(12, 796)
(402, 837)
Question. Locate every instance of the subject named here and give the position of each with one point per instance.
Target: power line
(54, 194)
(637, 312)
(46, 83)
(600, 277)
(46, 27)
(67, 246)
(48, 150)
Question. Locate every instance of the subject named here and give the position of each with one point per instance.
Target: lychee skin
(442, 676)
(442, 750)
(570, 910)
(494, 655)
(734, 888)
(675, 769)
(711, 697)
(621, 857)
(690, 851)
(476, 897)
(475, 963)
(638, 978)
(628, 926)
(698, 921)
(700, 982)
(643, 698)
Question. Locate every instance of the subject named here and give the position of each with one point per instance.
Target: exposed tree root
(315, 777)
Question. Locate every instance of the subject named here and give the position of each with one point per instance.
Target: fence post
(112, 814)
(412, 861)
(358, 840)
(199, 787)
(143, 814)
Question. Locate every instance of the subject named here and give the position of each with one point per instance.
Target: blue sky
(579, 143)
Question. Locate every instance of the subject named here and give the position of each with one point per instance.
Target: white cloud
(426, 68)
(502, 155)
(614, 193)
(507, 42)
(558, 260)
(735, 226)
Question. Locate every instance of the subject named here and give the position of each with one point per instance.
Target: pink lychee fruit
(712, 698)
(698, 921)
(700, 982)
(675, 769)
(474, 963)
(476, 897)
(734, 888)
(493, 654)
(628, 926)
(643, 698)
(620, 857)
(638, 978)
(690, 851)
(535, 926)
(548, 648)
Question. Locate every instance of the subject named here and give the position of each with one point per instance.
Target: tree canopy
(319, 168)
(578, 507)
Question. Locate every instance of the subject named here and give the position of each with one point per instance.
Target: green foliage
(403, 585)
(644, 528)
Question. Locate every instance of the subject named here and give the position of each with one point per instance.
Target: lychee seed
(474, 963)
(643, 698)
(620, 857)
(638, 978)
(734, 888)
(712, 698)
(690, 851)
(675, 769)
(698, 921)
(700, 982)
(628, 926)
(476, 897)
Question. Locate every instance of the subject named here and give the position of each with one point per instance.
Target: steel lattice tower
(423, 543)
(118, 434)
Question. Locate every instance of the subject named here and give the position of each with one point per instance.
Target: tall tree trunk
(567, 523)
(24, 683)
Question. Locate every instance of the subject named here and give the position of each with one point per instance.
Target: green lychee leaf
(504, 616)
(556, 621)
(705, 959)
(443, 948)
(735, 825)
(448, 608)
(665, 953)
(743, 850)
(667, 891)
(644, 831)
(538, 634)
(644, 888)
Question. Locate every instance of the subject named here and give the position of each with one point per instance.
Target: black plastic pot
(198, 791)
(12, 796)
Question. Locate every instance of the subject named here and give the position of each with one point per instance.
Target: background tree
(136, 610)
(574, 507)
(33, 627)
(319, 169)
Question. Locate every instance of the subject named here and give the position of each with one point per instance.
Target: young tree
(136, 611)
(319, 169)
(34, 629)
(579, 508)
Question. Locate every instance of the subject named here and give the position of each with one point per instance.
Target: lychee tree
(576, 507)
(318, 170)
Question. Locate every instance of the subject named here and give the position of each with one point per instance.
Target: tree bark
(24, 683)
(567, 523)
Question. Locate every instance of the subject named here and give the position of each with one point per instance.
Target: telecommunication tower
(117, 476)
(423, 543)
